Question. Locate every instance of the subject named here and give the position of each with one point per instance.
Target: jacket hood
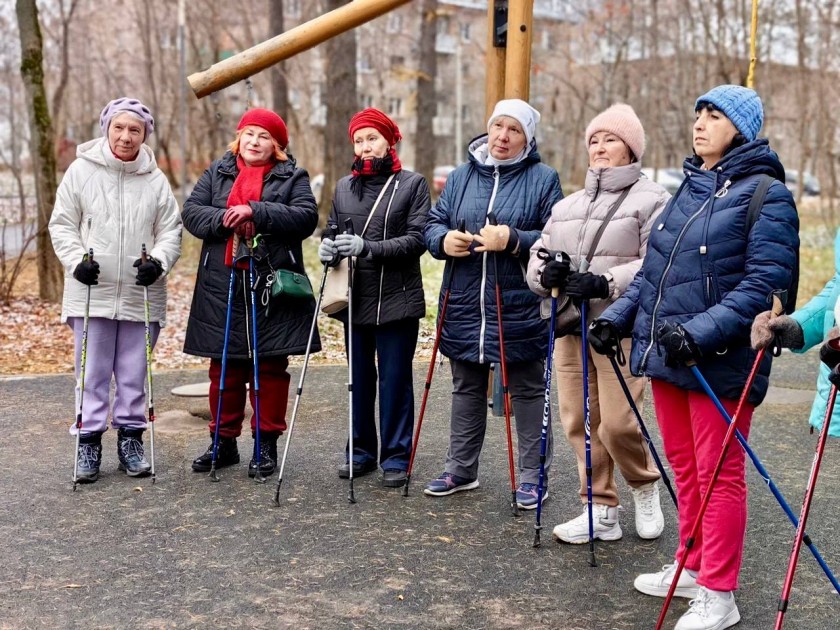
(478, 150)
(98, 152)
(612, 178)
(753, 158)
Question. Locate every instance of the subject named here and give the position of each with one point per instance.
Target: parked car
(810, 184)
(669, 178)
(439, 177)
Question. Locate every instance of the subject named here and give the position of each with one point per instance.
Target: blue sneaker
(448, 483)
(526, 496)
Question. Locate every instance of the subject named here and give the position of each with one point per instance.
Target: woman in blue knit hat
(707, 273)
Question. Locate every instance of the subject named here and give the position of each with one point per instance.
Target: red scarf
(247, 186)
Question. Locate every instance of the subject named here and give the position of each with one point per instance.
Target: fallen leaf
(73, 586)
(445, 539)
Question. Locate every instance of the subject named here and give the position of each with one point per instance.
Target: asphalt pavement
(188, 553)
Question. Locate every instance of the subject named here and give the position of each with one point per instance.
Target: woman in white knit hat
(615, 141)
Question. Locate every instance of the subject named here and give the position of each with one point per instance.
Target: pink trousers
(693, 431)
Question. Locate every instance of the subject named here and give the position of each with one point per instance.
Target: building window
(395, 23)
(395, 106)
(367, 101)
(397, 61)
(465, 32)
(443, 25)
(293, 9)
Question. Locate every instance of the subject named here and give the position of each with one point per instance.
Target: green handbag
(289, 284)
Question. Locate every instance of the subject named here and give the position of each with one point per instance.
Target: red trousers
(274, 394)
(692, 432)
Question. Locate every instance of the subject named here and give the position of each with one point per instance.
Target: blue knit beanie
(739, 104)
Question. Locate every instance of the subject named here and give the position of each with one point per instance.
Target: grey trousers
(468, 422)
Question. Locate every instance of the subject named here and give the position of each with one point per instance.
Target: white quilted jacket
(114, 207)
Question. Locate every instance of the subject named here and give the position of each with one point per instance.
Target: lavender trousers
(114, 348)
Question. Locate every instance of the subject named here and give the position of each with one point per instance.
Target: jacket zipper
(484, 270)
(120, 247)
(721, 193)
(586, 218)
(385, 236)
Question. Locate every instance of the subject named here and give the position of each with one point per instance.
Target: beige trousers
(616, 437)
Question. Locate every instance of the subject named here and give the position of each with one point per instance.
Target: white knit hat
(519, 110)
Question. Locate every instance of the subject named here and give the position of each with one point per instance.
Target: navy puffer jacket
(703, 271)
(521, 196)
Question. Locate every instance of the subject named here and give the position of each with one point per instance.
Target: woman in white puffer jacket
(113, 199)
(615, 141)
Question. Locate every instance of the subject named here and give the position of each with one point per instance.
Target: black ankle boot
(131, 454)
(268, 455)
(89, 457)
(226, 455)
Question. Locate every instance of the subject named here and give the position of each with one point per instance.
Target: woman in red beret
(254, 189)
(388, 206)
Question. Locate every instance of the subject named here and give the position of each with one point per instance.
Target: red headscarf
(372, 117)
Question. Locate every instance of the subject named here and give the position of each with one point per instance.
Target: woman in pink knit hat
(615, 141)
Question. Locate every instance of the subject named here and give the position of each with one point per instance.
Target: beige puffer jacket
(576, 219)
(114, 207)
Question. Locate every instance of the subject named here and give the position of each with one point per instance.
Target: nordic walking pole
(643, 428)
(462, 227)
(784, 599)
(213, 475)
(514, 507)
(348, 229)
(299, 390)
(587, 426)
(258, 476)
(150, 402)
(546, 418)
(82, 361)
(732, 421)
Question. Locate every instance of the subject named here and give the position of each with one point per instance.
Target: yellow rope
(753, 31)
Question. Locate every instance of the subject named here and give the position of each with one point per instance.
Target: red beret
(372, 117)
(269, 121)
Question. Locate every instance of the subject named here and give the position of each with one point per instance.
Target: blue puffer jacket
(816, 319)
(521, 196)
(703, 271)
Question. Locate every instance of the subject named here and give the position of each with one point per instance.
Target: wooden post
(518, 65)
(494, 82)
(288, 44)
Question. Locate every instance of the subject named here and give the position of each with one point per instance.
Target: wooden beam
(518, 63)
(494, 80)
(303, 37)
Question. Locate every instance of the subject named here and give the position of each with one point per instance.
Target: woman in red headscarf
(388, 207)
(254, 189)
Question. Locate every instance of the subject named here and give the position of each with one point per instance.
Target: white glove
(327, 251)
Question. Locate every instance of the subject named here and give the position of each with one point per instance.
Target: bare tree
(341, 100)
(424, 160)
(43, 153)
(279, 88)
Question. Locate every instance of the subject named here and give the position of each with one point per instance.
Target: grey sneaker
(88, 457)
(131, 454)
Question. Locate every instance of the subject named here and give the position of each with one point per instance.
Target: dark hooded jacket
(705, 271)
(520, 195)
(285, 215)
(387, 284)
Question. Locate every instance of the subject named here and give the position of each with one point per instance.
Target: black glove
(678, 345)
(834, 376)
(830, 353)
(87, 271)
(587, 286)
(604, 338)
(554, 274)
(147, 272)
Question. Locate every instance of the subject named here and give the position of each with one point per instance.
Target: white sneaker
(710, 611)
(649, 519)
(657, 584)
(604, 527)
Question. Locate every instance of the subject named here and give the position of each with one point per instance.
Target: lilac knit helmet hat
(126, 104)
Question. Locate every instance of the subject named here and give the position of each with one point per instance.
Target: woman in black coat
(388, 299)
(254, 189)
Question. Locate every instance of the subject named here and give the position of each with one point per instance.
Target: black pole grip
(491, 218)
(348, 226)
(462, 225)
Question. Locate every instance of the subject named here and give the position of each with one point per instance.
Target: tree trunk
(341, 99)
(279, 88)
(43, 145)
(424, 151)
